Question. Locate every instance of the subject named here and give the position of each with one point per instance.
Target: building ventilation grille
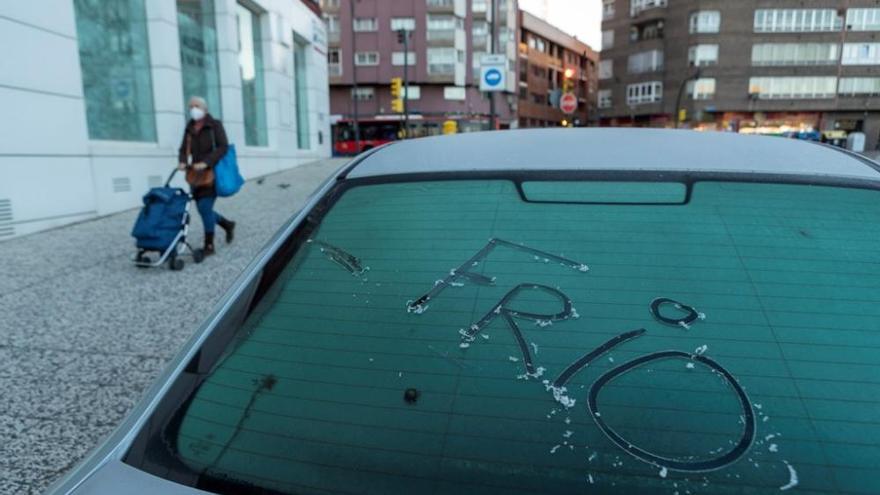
(154, 181)
(6, 227)
(121, 184)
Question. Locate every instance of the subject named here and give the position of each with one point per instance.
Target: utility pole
(843, 32)
(404, 33)
(492, 51)
(354, 82)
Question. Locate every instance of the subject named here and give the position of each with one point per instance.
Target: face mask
(196, 113)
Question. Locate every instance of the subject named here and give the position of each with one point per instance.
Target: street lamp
(693, 77)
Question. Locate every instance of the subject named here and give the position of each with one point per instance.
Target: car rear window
(454, 337)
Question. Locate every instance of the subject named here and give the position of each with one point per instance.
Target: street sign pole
(492, 51)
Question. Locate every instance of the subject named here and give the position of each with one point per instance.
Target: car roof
(617, 149)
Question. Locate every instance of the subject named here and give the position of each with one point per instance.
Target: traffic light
(396, 95)
(567, 81)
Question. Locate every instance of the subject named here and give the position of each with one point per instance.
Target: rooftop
(615, 149)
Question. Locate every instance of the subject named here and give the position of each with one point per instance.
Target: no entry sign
(568, 103)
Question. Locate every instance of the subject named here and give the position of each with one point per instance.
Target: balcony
(651, 30)
(441, 6)
(637, 7)
(444, 37)
(334, 70)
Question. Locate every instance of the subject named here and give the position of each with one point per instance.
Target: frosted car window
(391, 356)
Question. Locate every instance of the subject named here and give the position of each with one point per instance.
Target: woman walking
(204, 144)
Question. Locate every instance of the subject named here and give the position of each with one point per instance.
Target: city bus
(376, 132)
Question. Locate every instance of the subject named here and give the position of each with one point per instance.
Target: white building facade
(93, 94)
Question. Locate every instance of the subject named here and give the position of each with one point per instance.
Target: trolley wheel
(176, 264)
(198, 255)
(140, 258)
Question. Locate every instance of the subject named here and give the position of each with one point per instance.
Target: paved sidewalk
(83, 332)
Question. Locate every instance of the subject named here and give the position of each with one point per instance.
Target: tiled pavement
(83, 332)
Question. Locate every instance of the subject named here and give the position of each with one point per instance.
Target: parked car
(539, 311)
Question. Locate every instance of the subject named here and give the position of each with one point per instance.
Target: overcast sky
(582, 18)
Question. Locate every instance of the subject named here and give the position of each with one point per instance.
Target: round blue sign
(493, 77)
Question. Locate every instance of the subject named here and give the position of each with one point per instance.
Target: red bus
(373, 133)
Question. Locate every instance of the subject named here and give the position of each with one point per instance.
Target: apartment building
(446, 41)
(94, 97)
(752, 66)
(551, 61)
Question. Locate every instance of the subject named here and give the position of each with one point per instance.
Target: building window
(705, 21)
(365, 24)
(404, 23)
(536, 43)
(198, 52)
(606, 69)
(444, 22)
(505, 36)
(605, 98)
(607, 39)
(701, 89)
(441, 61)
(702, 55)
(479, 5)
(397, 58)
(329, 4)
(863, 19)
(859, 86)
(647, 31)
(300, 86)
(649, 61)
(332, 22)
(646, 92)
(250, 61)
(809, 87)
(442, 27)
(334, 60)
(607, 9)
(454, 93)
(440, 3)
(797, 20)
(115, 62)
(475, 61)
(766, 54)
(861, 54)
(366, 58)
(480, 33)
(363, 94)
(637, 6)
(413, 92)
